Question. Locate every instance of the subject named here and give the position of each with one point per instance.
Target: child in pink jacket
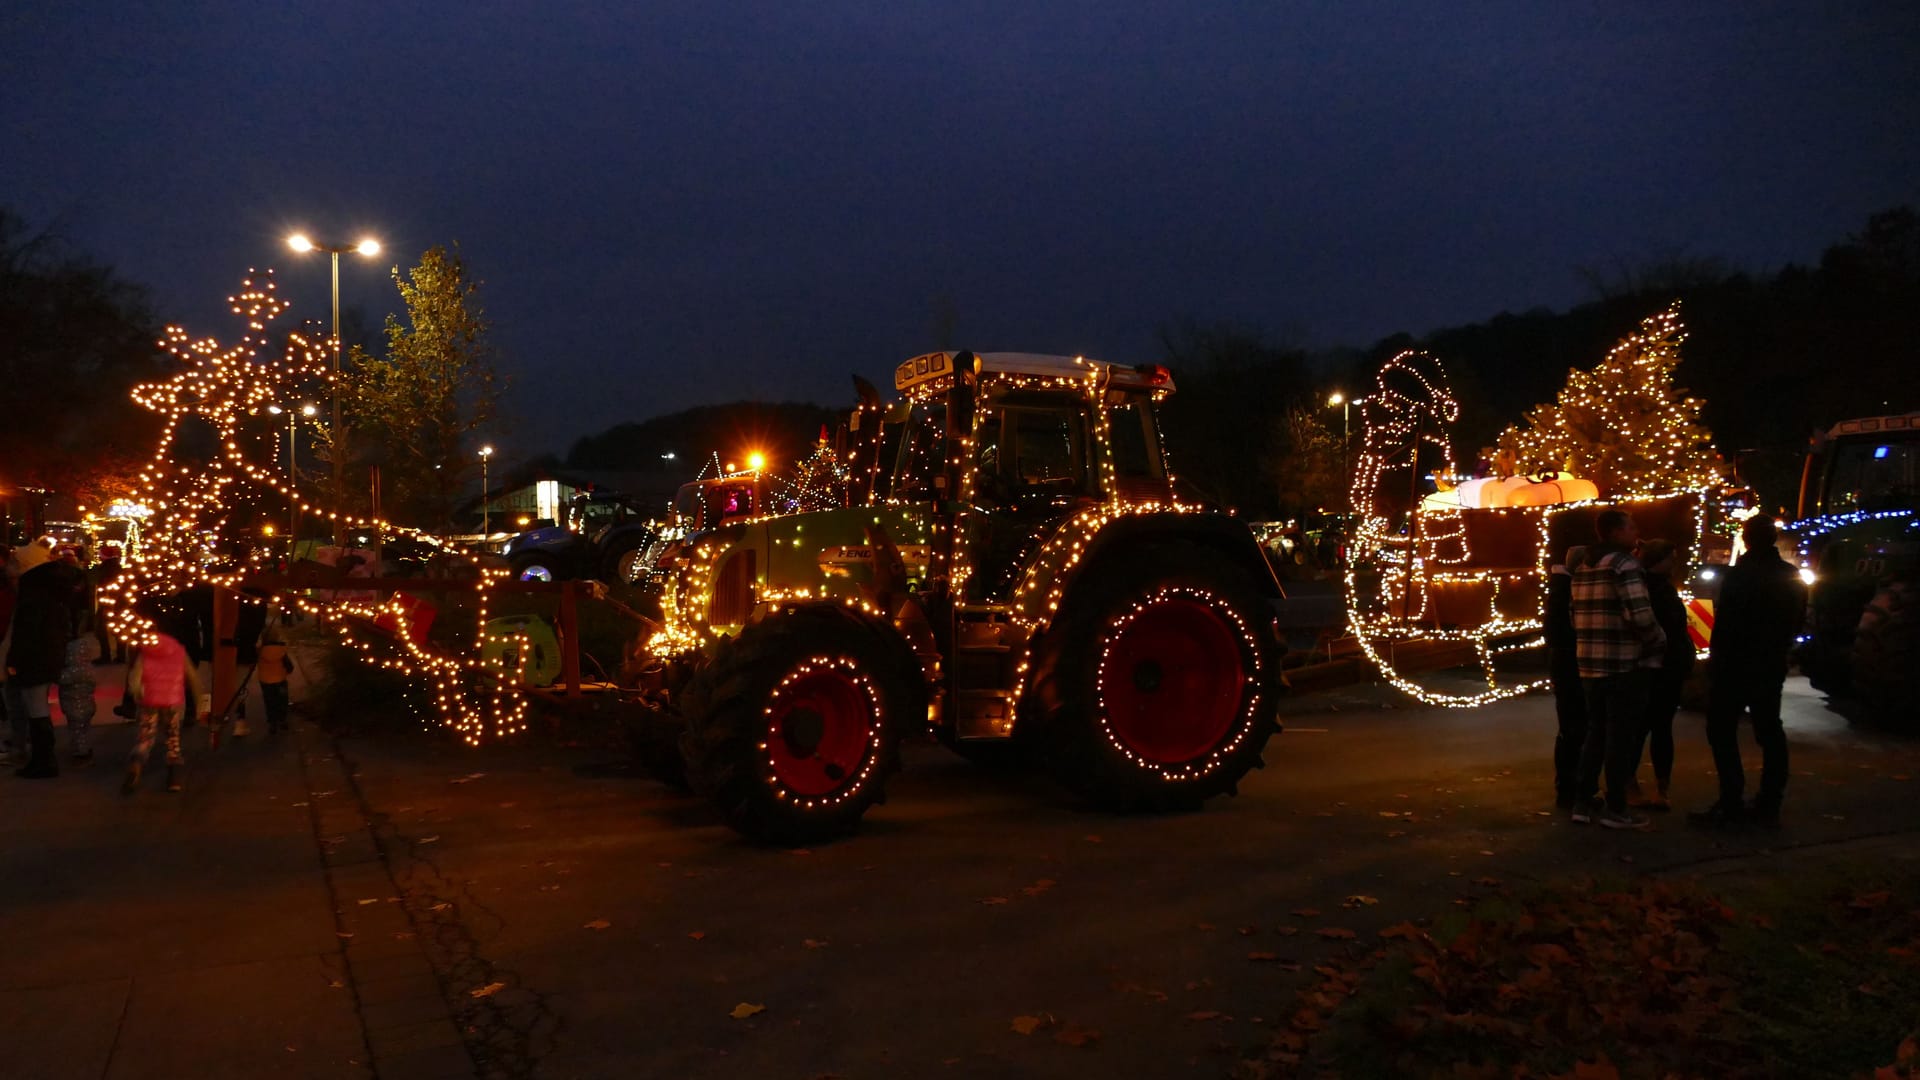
(164, 686)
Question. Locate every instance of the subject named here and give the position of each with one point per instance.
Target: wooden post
(226, 622)
(570, 638)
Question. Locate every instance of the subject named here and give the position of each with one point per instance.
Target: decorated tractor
(1858, 539)
(1009, 570)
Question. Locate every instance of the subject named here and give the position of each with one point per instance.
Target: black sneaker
(1585, 811)
(1764, 814)
(132, 783)
(1622, 819)
(176, 777)
(1718, 816)
(124, 711)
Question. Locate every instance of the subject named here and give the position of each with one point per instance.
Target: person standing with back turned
(1759, 611)
(1620, 645)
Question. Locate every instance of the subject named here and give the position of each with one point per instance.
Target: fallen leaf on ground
(697, 934)
(598, 924)
(1027, 1025)
(1203, 926)
(1335, 933)
(993, 899)
(1205, 1014)
(364, 903)
(746, 1009)
(1306, 913)
(1357, 901)
(1039, 887)
(1075, 1035)
(1489, 882)
(1602, 1069)
(427, 840)
(812, 944)
(1249, 931)
(1401, 930)
(1485, 852)
(1286, 931)
(1091, 839)
(488, 990)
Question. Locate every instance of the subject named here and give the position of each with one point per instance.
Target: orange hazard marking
(1700, 622)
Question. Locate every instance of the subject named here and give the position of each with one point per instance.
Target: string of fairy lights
(1630, 395)
(192, 506)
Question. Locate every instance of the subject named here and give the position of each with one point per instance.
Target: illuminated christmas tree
(1623, 424)
(819, 481)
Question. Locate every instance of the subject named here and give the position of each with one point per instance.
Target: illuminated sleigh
(1463, 583)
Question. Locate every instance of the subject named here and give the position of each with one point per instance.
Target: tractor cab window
(1873, 474)
(1031, 447)
(918, 456)
(1139, 473)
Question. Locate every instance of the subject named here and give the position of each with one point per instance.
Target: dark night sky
(672, 204)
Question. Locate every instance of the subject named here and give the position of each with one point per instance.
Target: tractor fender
(904, 663)
(1226, 535)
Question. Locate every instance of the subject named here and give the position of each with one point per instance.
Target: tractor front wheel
(792, 729)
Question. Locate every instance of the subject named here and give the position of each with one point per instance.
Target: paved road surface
(475, 886)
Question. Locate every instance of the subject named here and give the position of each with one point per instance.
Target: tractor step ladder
(984, 656)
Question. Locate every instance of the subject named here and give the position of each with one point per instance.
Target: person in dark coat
(1761, 608)
(1660, 561)
(48, 591)
(1569, 697)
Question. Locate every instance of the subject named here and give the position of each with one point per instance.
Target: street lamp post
(1346, 438)
(486, 496)
(293, 470)
(336, 432)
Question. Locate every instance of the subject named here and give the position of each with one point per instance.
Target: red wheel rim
(1173, 680)
(820, 731)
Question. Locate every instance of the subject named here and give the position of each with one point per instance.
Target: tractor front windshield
(1872, 473)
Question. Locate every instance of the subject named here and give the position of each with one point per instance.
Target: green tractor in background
(1858, 543)
(1009, 570)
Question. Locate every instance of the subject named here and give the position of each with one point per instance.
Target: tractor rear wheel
(1886, 650)
(1164, 670)
(792, 730)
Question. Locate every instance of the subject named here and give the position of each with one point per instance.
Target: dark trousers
(1663, 700)
(274, 695)
(1570, 709)
(1734, 694)
(1616, 707)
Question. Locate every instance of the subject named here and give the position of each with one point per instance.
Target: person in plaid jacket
(1619, 644)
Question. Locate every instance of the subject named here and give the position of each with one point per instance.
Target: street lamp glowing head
(1337, 399)
(368, 247)
(756, 461)
(299, 242)
(308, 410)
(486, 451)
(275, 410)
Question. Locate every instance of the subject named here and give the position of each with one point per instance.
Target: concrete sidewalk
(162, 935)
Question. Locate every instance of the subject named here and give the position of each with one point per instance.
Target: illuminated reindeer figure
(191, 504)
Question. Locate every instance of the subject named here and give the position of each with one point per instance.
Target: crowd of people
(1621, 653)
(52, 638)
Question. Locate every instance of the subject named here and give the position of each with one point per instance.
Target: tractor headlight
(1806, 575)
(1708, 574)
